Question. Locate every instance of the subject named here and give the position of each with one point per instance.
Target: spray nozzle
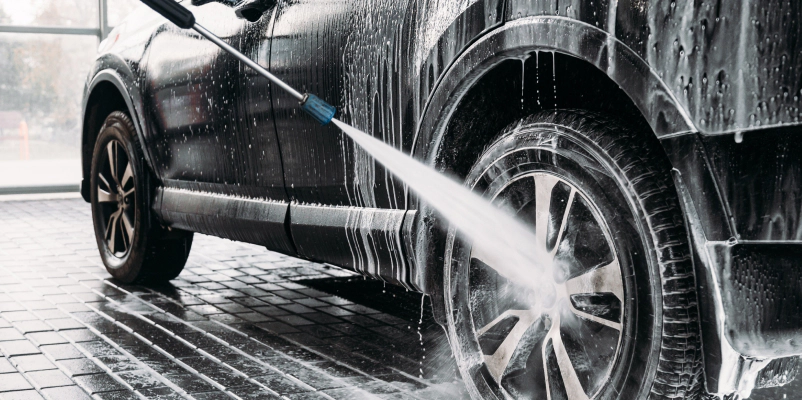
(318, 109)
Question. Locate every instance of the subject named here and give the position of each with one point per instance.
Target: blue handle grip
(320, 110)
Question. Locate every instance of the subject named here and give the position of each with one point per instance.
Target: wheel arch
(485, 74)
(588, 45)
(106, 92)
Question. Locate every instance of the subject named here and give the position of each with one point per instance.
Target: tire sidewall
(561, 150)
(119, 127)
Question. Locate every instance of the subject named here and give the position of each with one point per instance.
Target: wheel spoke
(105, 197)
(563, 223)
(110, 223)
(127, 175)
(568, 374)
(544, 185)
(111, 149)
(129, 230)
(497, 362)
(605, 279)
(111, 229)
(105, 182)
(608, 323)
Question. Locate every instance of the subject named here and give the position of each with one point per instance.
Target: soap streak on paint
(507, 243)
(435, 18)
(373, 58)
(363, 242)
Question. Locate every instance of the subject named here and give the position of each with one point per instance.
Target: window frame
(101, 32)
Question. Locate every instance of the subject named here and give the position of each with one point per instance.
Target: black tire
(614, 184)
(134, 247)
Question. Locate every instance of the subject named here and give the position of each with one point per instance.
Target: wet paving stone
(49, 378)
(190, 383)
(8, 334)
(22, 395)
(99, 348)
(18, 348)
(66, 393)
(31, 363)
(15, 381)
(119, 363)
(99, 382)
(44, 338)
(6, 367)
(62, 351)
(282, 384)
(79, 366)
(240, 321)
(160, 393)
(140, 379)
(118, 395)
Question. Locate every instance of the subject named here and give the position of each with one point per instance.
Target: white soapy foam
(434, 18)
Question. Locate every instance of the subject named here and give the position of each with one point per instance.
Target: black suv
(652, 146)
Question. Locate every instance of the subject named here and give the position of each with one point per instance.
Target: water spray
(510, 250)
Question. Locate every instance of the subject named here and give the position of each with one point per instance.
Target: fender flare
(516, 39)
(109, 72)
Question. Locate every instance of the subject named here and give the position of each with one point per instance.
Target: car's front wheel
(623, 324)
(134, 247)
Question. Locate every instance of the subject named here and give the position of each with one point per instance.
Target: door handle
(252, 10)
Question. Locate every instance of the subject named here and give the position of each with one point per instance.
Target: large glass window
(46, 50)
(74, 13)
(41, 89)
(119, 9)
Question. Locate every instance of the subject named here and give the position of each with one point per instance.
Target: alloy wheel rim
(578, 333)
(116, 197)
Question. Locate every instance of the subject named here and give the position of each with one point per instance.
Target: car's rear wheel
(134, 247)
(624, 321)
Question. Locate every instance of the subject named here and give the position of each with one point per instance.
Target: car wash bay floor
(240, 321)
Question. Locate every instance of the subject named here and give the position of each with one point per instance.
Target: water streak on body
(507, 245)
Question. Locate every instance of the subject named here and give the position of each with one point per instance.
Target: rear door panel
(212, 132)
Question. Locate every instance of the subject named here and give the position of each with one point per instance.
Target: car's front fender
(110, 69)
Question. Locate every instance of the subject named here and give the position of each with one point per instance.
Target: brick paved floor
(239, 322)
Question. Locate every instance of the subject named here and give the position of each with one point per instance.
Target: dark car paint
(211, 126)
(325, 50)
(700, 74)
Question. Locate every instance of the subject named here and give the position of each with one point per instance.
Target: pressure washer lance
(184, 19)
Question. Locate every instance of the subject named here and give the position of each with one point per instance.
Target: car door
(346, 208)
(212, 132)
(199, 101)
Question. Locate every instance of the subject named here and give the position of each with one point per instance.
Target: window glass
(41, 89)
(119, 9)
(67, 13)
